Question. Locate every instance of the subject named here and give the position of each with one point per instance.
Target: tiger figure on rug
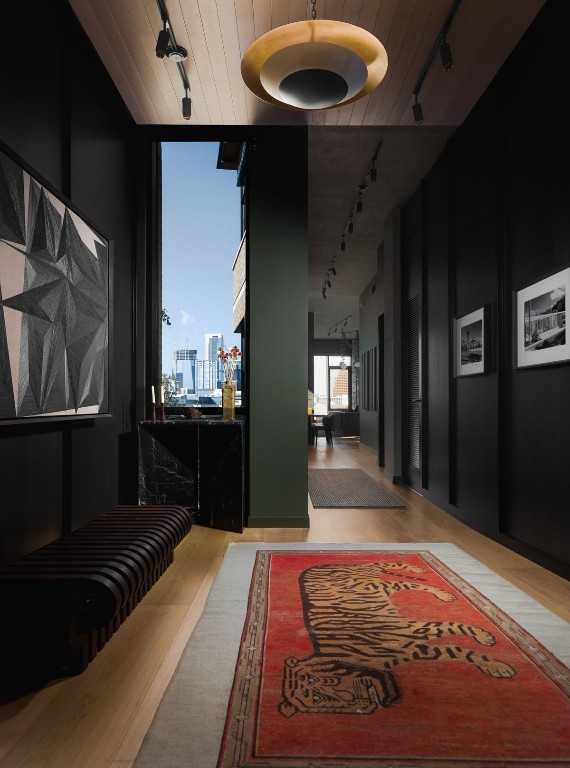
(358, 636)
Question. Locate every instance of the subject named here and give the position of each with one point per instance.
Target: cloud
(557, 293)
(185, 318)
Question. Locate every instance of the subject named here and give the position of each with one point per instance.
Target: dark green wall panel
(277, 298)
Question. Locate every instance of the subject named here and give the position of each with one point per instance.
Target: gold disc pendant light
(314, 64)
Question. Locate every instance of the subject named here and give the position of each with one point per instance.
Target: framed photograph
(540, 320)
(54, 302)
(470, 343)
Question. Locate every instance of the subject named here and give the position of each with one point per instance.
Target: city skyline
(201, 236)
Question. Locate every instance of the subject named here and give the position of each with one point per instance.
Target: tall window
(201, 235)
(332, 376)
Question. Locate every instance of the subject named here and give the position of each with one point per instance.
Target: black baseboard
(396, 479)
(559, 567)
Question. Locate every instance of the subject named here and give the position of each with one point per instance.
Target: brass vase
(228, 401)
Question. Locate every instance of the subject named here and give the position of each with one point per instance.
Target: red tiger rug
(387, 659)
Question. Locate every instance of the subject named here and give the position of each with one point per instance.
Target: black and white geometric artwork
(54, 303)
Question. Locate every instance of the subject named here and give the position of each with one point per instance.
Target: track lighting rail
(369, 177)
(442, 46)
(166, 45)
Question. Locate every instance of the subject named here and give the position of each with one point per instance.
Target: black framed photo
(54, 302)
(541, 336)
(471, 343)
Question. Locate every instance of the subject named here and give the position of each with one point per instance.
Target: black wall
(495, 218)
(63, 116)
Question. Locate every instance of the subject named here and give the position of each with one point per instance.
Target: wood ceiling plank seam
(382, 100)
(388, 12)
(345, 114)
(261, 17)
(246, 34)
(331, 115)
(351, 12)
(217, 56)
(317, 117)
(245, 24)
(298, 10)
(409, 69)
(117, 42)
(201, 113)
(188, 16)
(252, 103)
(279, 13)
(94, 30)
(230, 40)
(368, 14)
(368, 19)
(334, 9)
(142, 24)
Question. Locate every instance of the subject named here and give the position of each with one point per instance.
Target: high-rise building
(206, 375)
(185, 368)
(213, 341)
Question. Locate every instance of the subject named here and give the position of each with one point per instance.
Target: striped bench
(63, 602)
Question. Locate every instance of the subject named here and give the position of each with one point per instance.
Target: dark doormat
(348, 488)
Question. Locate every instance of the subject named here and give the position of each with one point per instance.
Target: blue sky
(200, 238)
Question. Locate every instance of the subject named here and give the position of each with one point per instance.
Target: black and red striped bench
(63, 602)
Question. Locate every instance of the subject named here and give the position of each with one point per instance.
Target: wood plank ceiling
(216, 34)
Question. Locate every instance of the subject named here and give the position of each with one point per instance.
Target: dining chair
(327, 426)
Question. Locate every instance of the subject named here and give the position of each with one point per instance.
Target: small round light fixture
(176, 54)
(315, 64)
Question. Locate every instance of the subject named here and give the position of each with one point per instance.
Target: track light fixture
(162, 42)
(176, 54)
(418, 112)
(186, 107)
(166, 46)
(445, 55)
(340, 324)
(369, 177)
(442, 45)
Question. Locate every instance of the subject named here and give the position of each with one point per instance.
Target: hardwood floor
(98, 719)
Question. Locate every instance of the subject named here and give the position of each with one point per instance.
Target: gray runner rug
(350, 488)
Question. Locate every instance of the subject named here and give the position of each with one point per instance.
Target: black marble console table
(197, 464)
